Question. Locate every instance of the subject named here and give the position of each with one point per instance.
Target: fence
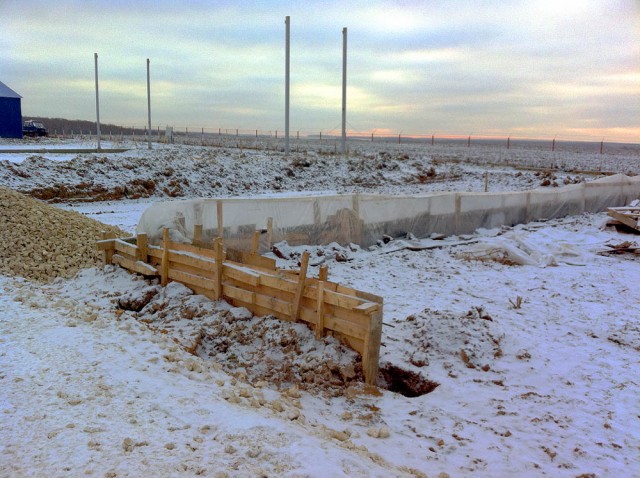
(246, 279)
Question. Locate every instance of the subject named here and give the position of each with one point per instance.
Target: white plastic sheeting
(365, 218)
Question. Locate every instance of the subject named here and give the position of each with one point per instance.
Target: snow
(544, 385)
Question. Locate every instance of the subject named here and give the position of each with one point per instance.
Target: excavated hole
(406, 382)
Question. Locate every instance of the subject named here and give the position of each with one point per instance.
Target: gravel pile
(41, 242)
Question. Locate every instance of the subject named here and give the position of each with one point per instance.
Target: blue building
(10, 113)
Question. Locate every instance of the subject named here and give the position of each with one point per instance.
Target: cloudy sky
(522, 68)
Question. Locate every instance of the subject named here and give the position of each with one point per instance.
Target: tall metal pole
(149, 104)
(286, 85)
(344, 90)
(95, 56)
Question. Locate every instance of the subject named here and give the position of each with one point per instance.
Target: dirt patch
(405, 382)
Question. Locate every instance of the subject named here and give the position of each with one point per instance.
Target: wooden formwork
(627, 215)
(247, 279)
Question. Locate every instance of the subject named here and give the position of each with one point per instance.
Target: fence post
(108, 253)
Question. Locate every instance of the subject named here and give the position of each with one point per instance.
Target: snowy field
(533, 354)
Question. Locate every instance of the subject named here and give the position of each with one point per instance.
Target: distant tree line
(60, 125)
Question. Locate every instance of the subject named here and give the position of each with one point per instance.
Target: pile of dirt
(42, 242)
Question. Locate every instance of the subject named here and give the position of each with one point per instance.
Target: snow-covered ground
(535, 364)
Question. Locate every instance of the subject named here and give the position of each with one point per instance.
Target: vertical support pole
(297, 301)
(219, 256)
(149, 104)
(219, 217)
(142, 252)
(287, 62)
(601, 146)
(95, 57)
(344, 90)
(469, 141)
(433, 139)
(509, 142)
(320, 311)
(486, 181)
(164, 265)
(553, 144)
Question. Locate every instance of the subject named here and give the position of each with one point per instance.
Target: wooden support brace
(142, 252)
(164, 265)
(297, 301)
(320, 308)
(219, 267)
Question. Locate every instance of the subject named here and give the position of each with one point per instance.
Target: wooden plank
(239, 294)
(367, 307)
(297, 300)
(105, 244)
(277, 306)
(143, 247)
(342, 300)
(240, 273)
(154, 252)
(135, 266)
(122, 246)
(348, 328)
(203, 263)
(191, 279)
(623, 218)
(248, 258)
(279, 282)
(195, 250)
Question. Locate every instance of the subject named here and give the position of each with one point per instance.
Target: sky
(531, 69)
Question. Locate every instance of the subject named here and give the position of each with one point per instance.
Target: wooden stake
(269, 232)
(255, 242)
(371, 353)
(219, 266)
(197, 235)
(297, 301)
(142, 251)
(219, 214)
(164, 265)
(320, 308)
(108, 253)
(323, 273)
